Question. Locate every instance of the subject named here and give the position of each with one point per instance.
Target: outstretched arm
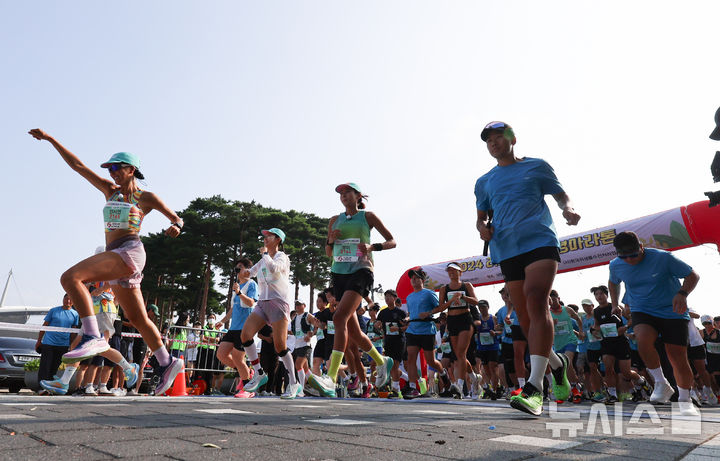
(150, 201)
(103, 185)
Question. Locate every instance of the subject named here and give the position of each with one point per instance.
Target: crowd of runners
(535, 347)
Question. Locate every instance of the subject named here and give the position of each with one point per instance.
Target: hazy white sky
(280, 101)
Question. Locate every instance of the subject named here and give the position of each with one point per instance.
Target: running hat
(153, 308)
(586, 302)
(453, 265)
(275, 231)
(418, 271)
(351, 185)
(706, 319)
(715, 135)
(496, 127)
(299, 302)
(125, 157)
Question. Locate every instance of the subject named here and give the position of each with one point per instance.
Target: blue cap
(275, 231)
(351, 185)
(125, 157)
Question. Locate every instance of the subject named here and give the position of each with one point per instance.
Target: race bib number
(713, 348)
(330, 327)
(562, 328)
(458, 302)
(592, 337)
(486, 338)
(346, 250)
(445, 348)
(299, 334)
(609, 330)
(508, 329)
(117, 215)
(320, 335)
(391, 324)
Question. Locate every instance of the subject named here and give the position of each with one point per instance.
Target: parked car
(22, 315)
(14, 354)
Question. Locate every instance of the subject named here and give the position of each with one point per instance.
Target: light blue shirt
(59, 317)
(421, 301)
(240, 311)
(500, 315)
(521, 219)
(653, 283)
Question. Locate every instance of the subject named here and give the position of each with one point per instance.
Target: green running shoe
(530, 400)
(323, 384)
(561, 385)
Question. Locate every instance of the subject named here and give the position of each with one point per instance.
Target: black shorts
(116, 342)
(673, 331)
(320, 349)
(636, 361)
(618, 348)
(395, 348)
(594, 356)
(487, 356)
(233, 336)
(302, 352)
(329, 344)
(508, 356)
(360, 281)
(459, 323)
(517, 333)
(424, 342)
(713, 362)
(696, 353)
(514, 268)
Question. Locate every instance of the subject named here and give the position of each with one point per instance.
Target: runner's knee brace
(247, 343)
(283, 352)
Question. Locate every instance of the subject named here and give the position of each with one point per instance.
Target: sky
(279, 102)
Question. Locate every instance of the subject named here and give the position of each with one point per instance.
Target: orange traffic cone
(178, 388)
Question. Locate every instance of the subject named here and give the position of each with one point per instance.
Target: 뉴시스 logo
(598, 420)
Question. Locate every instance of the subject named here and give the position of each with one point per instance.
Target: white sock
(612, 391)
(683, 395)
(657, 375)
(706, 391)
(549, 378)
(554, 360)
(67, 375)
(460, 383)
(251, 352)
(301, 377)
(396, 385)
(538, 364)
(162, 356)
(287, 360)
(521, 383)
(124, 364)
(89, 326)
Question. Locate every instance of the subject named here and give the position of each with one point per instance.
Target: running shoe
(353, 383)
(367, 391)
(324, 384)
(560, 384)
(529, 400)
(411, 393)
(256, 381)
(131, 375)
(395, 394)
(625, 396)
(456, 391)
(446, 381)
(576, 395)
(516, 392)
(103, 390)
(89, 346)
(712, 399)
(291, 391)
(118, 392)
(610, 399)
(688, 409)
(90, 390)
(167, 374)
(243, 394)
(309, 390)
(694, 398)
(383, 372)
(662, 392)
(646, 387)
(132, 392)
(422, 383)
(55, 386)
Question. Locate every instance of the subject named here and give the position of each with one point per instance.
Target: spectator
(52, 345)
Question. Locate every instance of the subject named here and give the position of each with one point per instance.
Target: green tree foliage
(184, 274)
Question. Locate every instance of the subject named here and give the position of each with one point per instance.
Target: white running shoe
(712, 399)
(103, 390)
(688, 409)
(292, 391)
(256, 381)
(662, 392)
(117, 392)
(90, 390)
(383, 372)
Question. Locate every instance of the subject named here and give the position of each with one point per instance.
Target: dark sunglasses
(116, 166)
(631, 255)
(495, 126)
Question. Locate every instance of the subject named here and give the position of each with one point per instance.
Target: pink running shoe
(89, 346)
(244, 395)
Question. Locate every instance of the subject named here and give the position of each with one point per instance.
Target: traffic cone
(178, 388)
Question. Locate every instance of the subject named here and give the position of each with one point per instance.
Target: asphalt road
(268, 429)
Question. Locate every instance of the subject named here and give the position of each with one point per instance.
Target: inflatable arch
(675, 229)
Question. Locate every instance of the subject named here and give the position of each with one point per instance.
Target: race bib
(592, 337)
(486, 338)
(713, 348)
(331, 327)
(391, 324)
(562, 328)
(346, 250)
(445, 348)
(609, 330)
(457, 302)
(320, 335)
(117, 215)
(508, 329)
(299, 334)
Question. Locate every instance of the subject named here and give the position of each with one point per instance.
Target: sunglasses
(116, 166)
(495, 125)
(631, 255)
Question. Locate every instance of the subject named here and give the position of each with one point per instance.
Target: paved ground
(205, 428)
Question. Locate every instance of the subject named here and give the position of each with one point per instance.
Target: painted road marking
(218, 411)
(340, 422)
(16, 416)
(28, 404)
(435, 412)
(536, 442)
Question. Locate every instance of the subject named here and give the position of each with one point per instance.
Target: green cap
(275, 231)
(351, 185)
(153, 308)
(128, 158)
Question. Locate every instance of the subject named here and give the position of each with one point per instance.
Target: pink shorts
(132, 252)
(272, 310)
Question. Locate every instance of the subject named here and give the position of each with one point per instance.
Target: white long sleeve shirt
(273, 276)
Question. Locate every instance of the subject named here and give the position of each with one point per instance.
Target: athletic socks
(124, 364)
(612, 391)
(375, 355)
(287, 360)
(335, 361)
(252, 355)
(404, 376)
(162, 356)
(89, 326)
(554, 360)
(538, 364)
(521, 383)
(67, 375)
(657, 375)
(396, 385)
(301, 377)
(460, 384)
(683, 395)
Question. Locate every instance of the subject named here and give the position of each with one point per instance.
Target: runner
(320, 334)
(488, 350)
(505, 317)
(697, 357)
(456, 297)
(230, 350)
(348, 243)
(711, 336)
(123, 262)
(565, 340)
(301, 328)
(273, 272)
(392, 321)
(588, 363)
(524, 242)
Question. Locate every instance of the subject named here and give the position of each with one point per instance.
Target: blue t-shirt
(59, 317)
(421, 301)
(521, 219)
(241, 312)
(652, 283)
(500, 316)
(483, 335)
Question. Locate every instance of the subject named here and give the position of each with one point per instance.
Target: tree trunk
(206, 290)
(297, 290)
(312, 298)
